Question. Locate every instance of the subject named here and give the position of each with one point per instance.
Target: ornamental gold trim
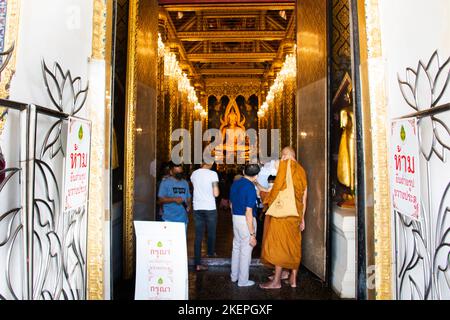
(11, 40)
(130, 138)
(227, 36)
(99, 183)
(235, 57)
(374, 94)
(232, 91)
(99, 30)
(230, 8)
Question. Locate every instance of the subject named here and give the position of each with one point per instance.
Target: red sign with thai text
(405, 167)
(77, 163)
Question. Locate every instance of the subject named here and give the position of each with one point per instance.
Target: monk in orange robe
(281, 246)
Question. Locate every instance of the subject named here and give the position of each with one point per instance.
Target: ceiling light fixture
(288, 72)
(172, 69)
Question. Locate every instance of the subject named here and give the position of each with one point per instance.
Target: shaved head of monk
(287, 153)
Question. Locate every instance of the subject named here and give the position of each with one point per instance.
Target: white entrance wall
(53, 30)
(411, 31)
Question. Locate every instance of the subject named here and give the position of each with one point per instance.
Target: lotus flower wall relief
(57, 256)
(422, 247)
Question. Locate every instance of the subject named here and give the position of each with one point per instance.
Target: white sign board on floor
(162, 262)
(76, 177)
(405, 167)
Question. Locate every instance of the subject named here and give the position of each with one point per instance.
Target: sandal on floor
(201, 268)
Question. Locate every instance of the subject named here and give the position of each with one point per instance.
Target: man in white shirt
(206, 189)
(268, 169)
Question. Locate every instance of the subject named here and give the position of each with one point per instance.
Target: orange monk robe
(263, 195)
(282, 238)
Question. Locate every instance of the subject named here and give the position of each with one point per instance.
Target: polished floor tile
(224, 237)
(215, 284)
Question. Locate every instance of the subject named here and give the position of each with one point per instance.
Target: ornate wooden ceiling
(233, 40)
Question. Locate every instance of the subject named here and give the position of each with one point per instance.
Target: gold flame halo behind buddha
(232, 119)
(232, 128)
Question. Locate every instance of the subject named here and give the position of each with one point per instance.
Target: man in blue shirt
(174, 196)
(243, 206)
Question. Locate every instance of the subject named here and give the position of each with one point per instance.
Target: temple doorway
(277, 68)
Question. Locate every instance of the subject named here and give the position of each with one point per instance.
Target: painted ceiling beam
(234, 57)
(246, 6)
(185, 2)
(231, 36)
(231, 71)
(188, 24)
(274, 23)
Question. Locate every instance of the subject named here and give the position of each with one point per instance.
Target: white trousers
(241, 256)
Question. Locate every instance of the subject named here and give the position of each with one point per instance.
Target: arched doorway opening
(235, 52)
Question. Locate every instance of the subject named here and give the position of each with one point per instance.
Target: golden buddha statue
(232, 129)
(231, 123)
(346, 155)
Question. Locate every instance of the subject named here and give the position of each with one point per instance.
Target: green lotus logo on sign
(159, 244)
(80, 133)
(160, 281)
(403, 134)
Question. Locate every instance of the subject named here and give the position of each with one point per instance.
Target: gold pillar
(167, 118)
(205, 106)
(183, 110)
(172, 112)
(375, 115)
(284, 108)
(98, 181)
(204, 123)
(277, 105)
(178, 108)
(270, 125)
(289, 114)
(281, 121)
(278, 119)
(161, 111)
(311, 96)
(278, 116)
(141, 104)
(191, 128)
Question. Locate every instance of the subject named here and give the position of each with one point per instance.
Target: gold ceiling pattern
(229, 42)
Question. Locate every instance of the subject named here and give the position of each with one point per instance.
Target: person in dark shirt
(164, 174)
(174, 196)
(243, 206)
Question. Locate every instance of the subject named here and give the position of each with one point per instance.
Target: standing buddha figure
(346, 155)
